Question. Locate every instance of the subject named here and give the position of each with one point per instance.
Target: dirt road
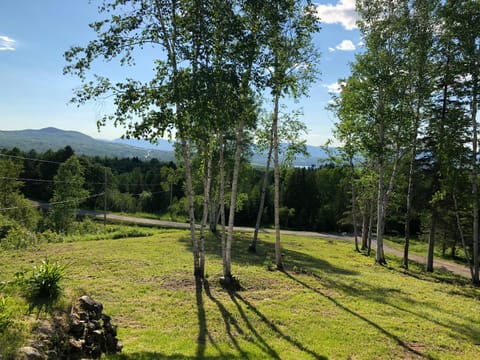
(438, 263)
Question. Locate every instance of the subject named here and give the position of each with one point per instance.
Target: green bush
(85, 226)
(49, 236)
(18, 237)
(5, 314)
(44, 282)
(6, 224)
(127, 233)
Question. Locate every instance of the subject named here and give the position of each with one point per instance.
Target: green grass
(155, 216)
(330, 303)
(419, 247)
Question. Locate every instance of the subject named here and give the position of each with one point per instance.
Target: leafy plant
(18, 237)
(5, 314)
(44, 282)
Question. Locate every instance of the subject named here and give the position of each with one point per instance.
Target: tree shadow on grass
(387, 296)
(266, 254)
(390, 335)
(275, 328)
(145, 355)
(262, 344)
(232, 327)
(203, 334)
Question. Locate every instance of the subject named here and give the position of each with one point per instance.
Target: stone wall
(86, 333)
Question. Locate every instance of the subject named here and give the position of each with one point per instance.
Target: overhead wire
(30, 159)
(38, 205)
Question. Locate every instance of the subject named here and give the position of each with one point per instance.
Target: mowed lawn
(330, 303)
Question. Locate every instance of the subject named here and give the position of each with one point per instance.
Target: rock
(94, 308)
(29, 353)
(77, 328)
(119, 346)
(76, 346)
(84, 333)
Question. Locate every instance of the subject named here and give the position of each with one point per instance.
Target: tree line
(314, 198)
(408, 119)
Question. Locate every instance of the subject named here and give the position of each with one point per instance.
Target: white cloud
(341, 13)
(361, 44)
(335, 88)
(6, 43)
(345, 45)
(331, 49)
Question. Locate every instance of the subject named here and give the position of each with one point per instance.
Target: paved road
(438, 263)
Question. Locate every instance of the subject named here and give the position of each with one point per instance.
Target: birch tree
(291, 59)
(181, 34)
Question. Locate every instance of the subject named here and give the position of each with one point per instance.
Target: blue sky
(34, 94)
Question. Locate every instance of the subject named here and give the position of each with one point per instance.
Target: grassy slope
(419, 247)
(331, 303)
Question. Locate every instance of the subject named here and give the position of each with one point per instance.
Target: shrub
(44, 282)
(127, 233)
(86, 226)
(5, 315)
(18, 237)
(49, 236)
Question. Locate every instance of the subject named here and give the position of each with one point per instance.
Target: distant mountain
(53, 138)
(163, 145)
(316, 155)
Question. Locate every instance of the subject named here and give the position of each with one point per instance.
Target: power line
(52, 203)
(67, 182)
(31, 159)
(45, 181)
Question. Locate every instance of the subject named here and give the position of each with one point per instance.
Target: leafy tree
(68, 194)
(172, 177)
(13, 204)
(381, 111)
(290, 53)
(290, 130)
(420, 50)
(191, 37)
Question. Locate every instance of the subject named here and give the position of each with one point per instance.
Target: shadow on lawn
(159, 356)
(392, 336)
(265, 253)
(231, 326)
(273, 327)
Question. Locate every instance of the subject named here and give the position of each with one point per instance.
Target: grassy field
(419, 247)
(330, 303)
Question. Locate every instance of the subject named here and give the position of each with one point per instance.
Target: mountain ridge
(53, 138)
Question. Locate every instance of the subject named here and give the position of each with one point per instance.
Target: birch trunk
(253, 246)
(276, 175)
(191, 208)
(206, 201)
(227, 272)
(408, 210)
(431, 242)
(222, 201)
(474, 105)
(354, 202)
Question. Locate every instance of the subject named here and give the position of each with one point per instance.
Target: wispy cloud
(334, 88)
(345, 45)
(6, 43)
(342, 13)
